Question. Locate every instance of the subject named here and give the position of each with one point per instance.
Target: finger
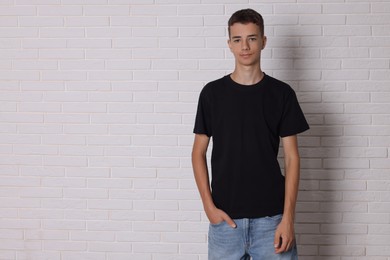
(282, 247)
(290, 245)
(277, 240)
(229, 221)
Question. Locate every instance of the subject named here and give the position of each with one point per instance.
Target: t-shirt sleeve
(203, 115)
(293, 120)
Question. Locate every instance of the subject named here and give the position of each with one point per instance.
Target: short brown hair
(246, 16)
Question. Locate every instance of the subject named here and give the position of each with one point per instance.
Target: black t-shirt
(246, 123)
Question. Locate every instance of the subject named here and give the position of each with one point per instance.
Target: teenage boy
(250, 204)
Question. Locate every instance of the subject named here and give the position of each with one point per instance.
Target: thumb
(277, 239)
(229, 221)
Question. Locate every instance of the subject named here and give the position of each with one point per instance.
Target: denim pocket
(217, 224)
(276, 217)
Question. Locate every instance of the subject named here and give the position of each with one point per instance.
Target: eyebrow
(251, 35)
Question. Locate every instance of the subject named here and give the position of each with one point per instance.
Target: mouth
(245, 55)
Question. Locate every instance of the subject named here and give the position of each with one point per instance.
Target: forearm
(199, 164)
(291, 170)
(291, 186)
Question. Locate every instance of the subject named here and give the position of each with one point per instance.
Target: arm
(285, 230)
(199, 164)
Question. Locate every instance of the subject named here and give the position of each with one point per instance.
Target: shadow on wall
(298, 62)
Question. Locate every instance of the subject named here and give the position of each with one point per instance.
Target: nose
(244, 45)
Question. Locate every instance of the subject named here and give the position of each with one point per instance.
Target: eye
(236, 40)
(252, 39)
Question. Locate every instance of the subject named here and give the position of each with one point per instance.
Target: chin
(248, 63)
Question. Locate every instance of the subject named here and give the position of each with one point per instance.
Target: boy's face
(246, 43)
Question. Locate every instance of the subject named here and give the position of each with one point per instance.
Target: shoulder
(213, 86)
(279, 86)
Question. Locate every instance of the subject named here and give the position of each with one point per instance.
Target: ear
(264, 42)
(229, 42)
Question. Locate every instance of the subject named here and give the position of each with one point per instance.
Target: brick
(87, 21)
(92, 236)
(81, 65)
(379, 207)
(297, 9)
(35, 65)
(47, 234)
(77, 150)
(143, 226)
(155, 54)
(29, 21)
(342, 250)
(350, 8)
(136, 42)
(64, 245)
(155, 140)
(350, 119)
(357, 207)
(369, 41)
(155, 75)
(109, 204)
(189, 10)
(318, 217)
(155, 247)
(151, 10)
(88, 43)
(35, 150)
(286, 53)
(105, 10)
(131, 130)
(373, 86)
(347, 52)
(319, 196)
(367, 108)
(134, 21)
(323, 239)
(346, 163)
(344, 228)
(342, 185)
(322, 19)
(112, 161)
(62, 32)
(177, 216)
(104, 32)
(154, 31)
(323, 64)
(356, 30)
(183, 21)
(372, 19)
(363, 152)
(60, 10)
(380, 98)
(133, 216)
(18, 10)
(159, 118)
(363, 63)
(128, 65)
(45, 44)
(110, 75)
(306, 30)
(380, 30)
(9, 21)
(68, 255)
(174, 64)
(344, 74)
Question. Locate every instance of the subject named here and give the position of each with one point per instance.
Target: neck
(247, 76)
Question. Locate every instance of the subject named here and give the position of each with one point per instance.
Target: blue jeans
(251, 239)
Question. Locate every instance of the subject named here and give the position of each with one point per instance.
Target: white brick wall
(97, 106)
